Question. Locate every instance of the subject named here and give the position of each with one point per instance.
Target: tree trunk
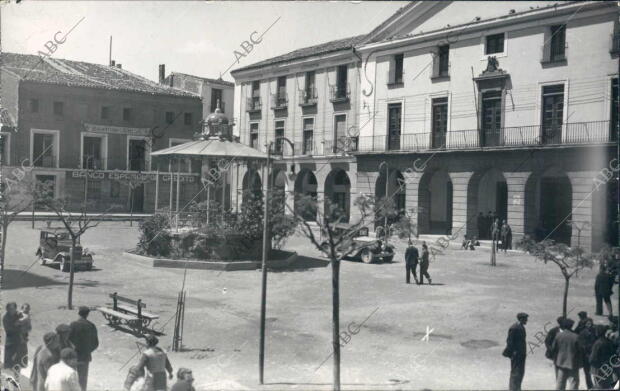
(71, 261)
(5, 226)
(336, 320)
(565, 298)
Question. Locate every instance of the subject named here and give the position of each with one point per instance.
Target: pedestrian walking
(155, 360)
(567, 352)
(583, 320)
(603, 286)
(62, 376)
(44, 357)
(411, 262)
(587, 337)
(12, 341)
(424, 263)
(506, 236)
(516, 351)
(185, 379)
(495, 232)
(83, 335)
(551, 336)
(137, 380)
(602, 352)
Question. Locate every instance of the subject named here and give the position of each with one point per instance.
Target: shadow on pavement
(13, 279)
(301, 263)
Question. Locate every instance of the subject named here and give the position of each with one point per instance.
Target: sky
(192, 37)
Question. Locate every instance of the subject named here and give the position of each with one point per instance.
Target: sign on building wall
(132, 176)
(117, 130)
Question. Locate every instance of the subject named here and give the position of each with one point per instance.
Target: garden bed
(277, 259)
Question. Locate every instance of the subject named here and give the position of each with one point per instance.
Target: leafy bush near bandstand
(154, 237)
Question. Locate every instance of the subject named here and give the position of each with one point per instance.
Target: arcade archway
(305, 185)
(252, 186)
(396, 193)
(435, 203)
(338, 191)
(487, 200)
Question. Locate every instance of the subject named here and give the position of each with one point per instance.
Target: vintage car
(55, 248)
(367, 249)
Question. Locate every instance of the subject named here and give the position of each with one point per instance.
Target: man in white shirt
(63, 376)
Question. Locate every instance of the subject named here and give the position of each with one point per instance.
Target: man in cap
(411, 262)
(516, 351)
(568, 354)
(84, 336)
(185, 378)
(62, 376)
(44, 357)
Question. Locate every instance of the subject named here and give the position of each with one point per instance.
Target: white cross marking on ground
(427, 337)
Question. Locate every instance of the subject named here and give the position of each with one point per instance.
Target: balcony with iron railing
(395, 79)
(45, 161)
(551, 55)
(577, 133)
(308, 97)
(340, 146)
(615, 43)
(253, 104)
(339, 93)
(279, 100)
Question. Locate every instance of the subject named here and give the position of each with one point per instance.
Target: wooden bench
(129, 312)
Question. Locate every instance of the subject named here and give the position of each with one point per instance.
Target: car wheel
(366, 256)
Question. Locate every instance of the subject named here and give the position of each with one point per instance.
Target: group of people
(62, 361)
(491, 228)
(587, 346)
(412, 258)
(17, 325)
(150, 372)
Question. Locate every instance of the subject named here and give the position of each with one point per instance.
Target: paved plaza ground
(469, 308)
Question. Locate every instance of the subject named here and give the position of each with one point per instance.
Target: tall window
(92, 156)
(310, 80)
(137, 155)
(494, 44)
(43, 150)
(255, 98)
(33, 105)
(558, 43)
(254, 135)
(394, 122)
(615, 108)
(553, 111)
(443, 60)
(278, 136)
(491, 118)
(216, 95)
(187, 118)
(105, 112)
(59, 108)
(396, 72)
(308, 135)
(340, 123)
(440, 122)
(341, 81)
(281, 91)
(127, 114)
(170, 117)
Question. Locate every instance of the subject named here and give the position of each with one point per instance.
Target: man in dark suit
(84, 337)
(568, 354)
(516, 351)
(551, 336)
(411, 262)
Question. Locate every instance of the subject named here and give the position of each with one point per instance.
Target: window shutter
(435, 55)
(392, 71)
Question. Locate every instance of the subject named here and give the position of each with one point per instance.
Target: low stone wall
(212, 264)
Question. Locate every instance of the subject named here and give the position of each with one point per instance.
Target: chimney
(162, 73)
(171, 80)
(120, 66)
(112, 63)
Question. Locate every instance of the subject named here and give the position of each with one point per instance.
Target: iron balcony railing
(339, 93)
(340, 146)
(279, 100)
(308, 97)
(46, 161)
(253, 104)
(507, 137)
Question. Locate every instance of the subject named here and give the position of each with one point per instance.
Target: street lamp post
(385, 215)
(266, 242)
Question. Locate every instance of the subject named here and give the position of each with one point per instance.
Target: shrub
(154, 237)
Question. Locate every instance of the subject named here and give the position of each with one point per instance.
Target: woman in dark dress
(10, 322)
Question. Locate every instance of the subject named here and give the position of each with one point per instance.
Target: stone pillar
(460, 205)
(365, 185)
(583, 187)
(412, 185)
(515, 182)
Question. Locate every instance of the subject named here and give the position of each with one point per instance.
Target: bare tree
(76, 224)
(569, 259)
(339, 243)
(15, 198)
